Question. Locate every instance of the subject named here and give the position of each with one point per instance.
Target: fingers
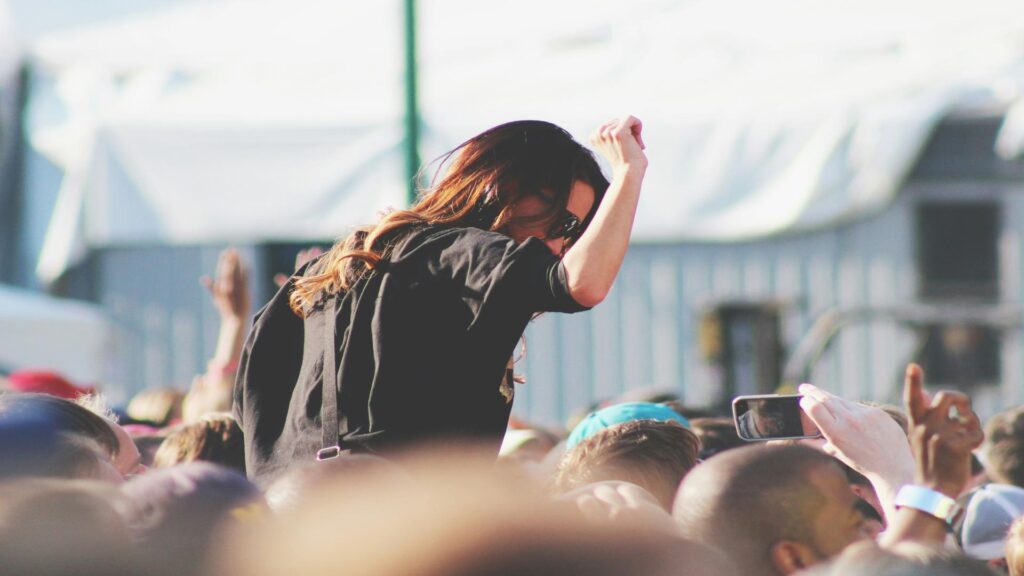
(619, 130)
(944, 401)
(833, 404)
(913, 393)
(817, 411)
(636, 128)
(965, 427)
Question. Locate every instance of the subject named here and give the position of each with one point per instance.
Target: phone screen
(771, 418)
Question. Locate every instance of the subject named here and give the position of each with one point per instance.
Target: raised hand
(944, 430)
(864, 438)
(621, 143)
(229, 289)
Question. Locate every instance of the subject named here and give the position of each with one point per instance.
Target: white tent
(271, 119)
(40, 332)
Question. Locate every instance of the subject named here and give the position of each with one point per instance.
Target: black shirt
(423, 342)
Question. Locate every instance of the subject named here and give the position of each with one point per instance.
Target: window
(743, 340)
(957, 250)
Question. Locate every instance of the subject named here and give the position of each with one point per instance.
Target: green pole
(412, 117)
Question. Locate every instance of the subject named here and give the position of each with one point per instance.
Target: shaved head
(746, 500)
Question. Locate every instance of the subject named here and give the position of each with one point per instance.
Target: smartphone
(771, 417)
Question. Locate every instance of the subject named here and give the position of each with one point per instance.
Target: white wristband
(928, 501)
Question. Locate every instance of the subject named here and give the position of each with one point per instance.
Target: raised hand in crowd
(229, 290)
(865, 438)
(944, 430)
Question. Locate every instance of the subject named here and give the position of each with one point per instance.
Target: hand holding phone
(772, 417)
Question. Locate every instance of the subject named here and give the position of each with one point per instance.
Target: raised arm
(864, 438)
(229, 290)
(942, 443)
(230, 293)
(593, 261)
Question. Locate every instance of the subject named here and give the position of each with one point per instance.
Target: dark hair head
(652, 454)
(716, 435)
(31, 446)
(63, 415)
(484, 177)
(175, 511)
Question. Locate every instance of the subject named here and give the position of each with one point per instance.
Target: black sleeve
(495, 271)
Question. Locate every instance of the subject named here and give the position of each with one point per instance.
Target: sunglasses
(567, 227)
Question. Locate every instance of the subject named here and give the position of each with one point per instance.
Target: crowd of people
(235, 478)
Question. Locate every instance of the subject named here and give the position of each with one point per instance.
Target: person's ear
(789, 556)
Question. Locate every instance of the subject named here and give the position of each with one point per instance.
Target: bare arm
(592, 263)
(230, 293)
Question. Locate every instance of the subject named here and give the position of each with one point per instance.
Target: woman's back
(423, 347)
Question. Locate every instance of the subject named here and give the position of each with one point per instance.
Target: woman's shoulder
(436, 239)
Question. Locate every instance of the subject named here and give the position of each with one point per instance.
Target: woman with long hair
(414, 321)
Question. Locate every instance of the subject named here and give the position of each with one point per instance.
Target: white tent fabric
(41, 332)
(273, 119)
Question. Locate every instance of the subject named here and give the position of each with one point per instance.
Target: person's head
(524, 179)
(716, 435)
(32, 447)
(772, 509)
(63, 416)
(620, 414)
(214, 438)
(1004, 447)
(457, 519)
(651, 454)
(159, 406)
(57, 527)
(1015, 548)
(988, 513)
(174, 512)
(904, 559)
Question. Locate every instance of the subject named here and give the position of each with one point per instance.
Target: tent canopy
(40, 332)
(275, 120)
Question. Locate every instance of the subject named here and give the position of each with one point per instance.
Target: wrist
(632, 173)
(890, 481)
(949, 489)
(930, 501)
(230, 319)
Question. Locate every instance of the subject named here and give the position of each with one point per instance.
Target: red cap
(46, 382)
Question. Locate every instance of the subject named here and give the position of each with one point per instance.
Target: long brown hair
(486, 175)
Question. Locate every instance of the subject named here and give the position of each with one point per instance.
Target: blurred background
(835, 187)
